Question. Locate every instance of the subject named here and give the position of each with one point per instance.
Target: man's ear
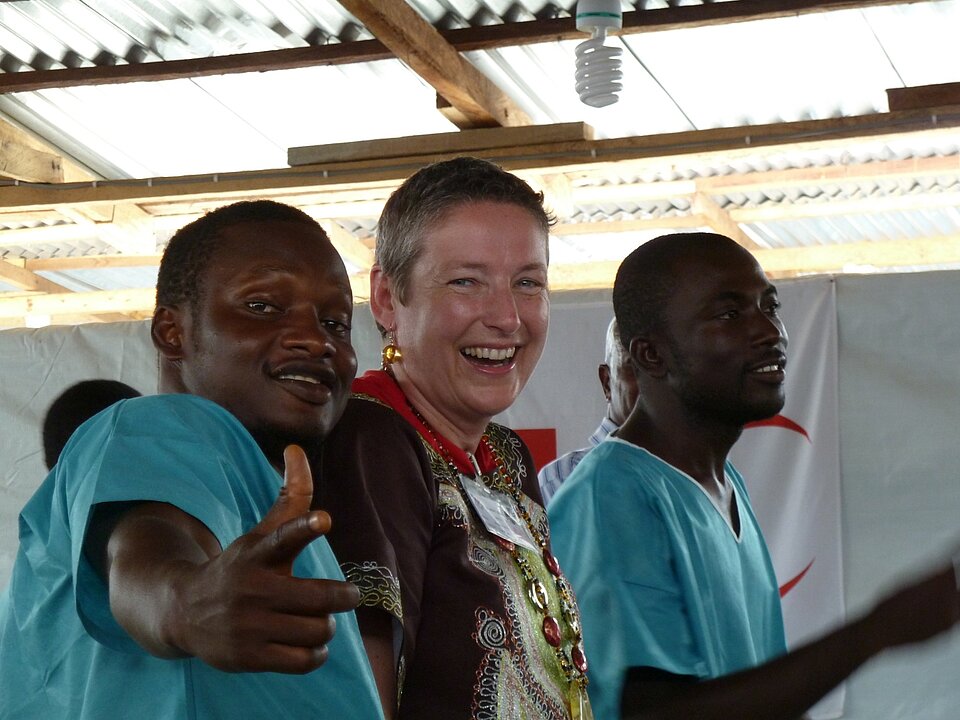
(646, 356)
(168, 333)
(603, 372)
(383, 300)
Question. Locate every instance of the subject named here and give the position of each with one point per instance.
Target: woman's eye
(530, 284)
(463, 282)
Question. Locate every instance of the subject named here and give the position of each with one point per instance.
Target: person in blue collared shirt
(620, 389)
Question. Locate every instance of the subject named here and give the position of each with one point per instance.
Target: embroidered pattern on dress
(505, 686)
(517, 677)
(450, 507)
(513, 680)
(377, 585)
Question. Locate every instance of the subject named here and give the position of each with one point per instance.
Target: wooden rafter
(21, 160)
(925, 96)
(554, 156)
(417, 43)
(719, 220)
(128, 302)
(571, 169)
(24, 279)
(348, 245)
(91, 262)
(486, 37)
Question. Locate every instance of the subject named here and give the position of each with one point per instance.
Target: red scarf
(382, 386)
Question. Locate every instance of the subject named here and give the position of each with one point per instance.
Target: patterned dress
(486, 628)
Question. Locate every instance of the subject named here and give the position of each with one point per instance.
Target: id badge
(498, 513)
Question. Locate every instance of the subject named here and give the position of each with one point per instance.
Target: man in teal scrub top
(680, 609)
(170, 566)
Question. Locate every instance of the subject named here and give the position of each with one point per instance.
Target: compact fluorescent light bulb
(598, 67)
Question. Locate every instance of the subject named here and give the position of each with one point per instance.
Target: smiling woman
(464, 610)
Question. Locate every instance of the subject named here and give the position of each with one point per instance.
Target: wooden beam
(487, 37)
(923, 252)
(924, 96)
(417, 43)
(101, 301)
(285, 59)
(454, 115)
(790, 262)
(130, 230)
(348, 245)
(677, 17)
(454, 142)
(130, 301)
(558, 195)
(20, 160)
(25, 279)
(582, 276)
(92, 262)
(719, 220)
(699, 146)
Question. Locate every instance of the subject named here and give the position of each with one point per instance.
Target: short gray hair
(427, 195)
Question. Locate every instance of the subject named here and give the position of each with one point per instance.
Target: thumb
(295, 496)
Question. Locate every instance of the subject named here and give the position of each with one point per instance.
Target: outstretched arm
(177, 594)
(787, 686)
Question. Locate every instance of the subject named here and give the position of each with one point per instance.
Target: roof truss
(344, 186)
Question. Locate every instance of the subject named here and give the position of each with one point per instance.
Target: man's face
(725, 342)
(269, 339)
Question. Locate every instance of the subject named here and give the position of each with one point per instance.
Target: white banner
(791, 464)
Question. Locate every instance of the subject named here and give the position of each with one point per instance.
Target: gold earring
(391, 353)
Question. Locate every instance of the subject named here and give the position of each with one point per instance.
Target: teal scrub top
(661, 578)
(62, 655)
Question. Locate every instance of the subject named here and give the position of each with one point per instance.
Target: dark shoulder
(367, 417)
(372, 449)
(372, 434)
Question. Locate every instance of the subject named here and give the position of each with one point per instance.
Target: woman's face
(476, 314)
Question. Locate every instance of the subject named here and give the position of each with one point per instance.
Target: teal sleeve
(179, 450)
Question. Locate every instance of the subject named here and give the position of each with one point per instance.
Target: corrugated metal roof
(808, 66)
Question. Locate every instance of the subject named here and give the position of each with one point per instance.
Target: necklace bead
(551, 631)
(579, 659)
(573, 665)
(550, 560)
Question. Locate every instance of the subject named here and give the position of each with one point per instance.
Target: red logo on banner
(791, 584)
(542, 443)
(781, 421)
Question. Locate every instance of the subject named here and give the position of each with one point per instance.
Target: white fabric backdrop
(899, 399)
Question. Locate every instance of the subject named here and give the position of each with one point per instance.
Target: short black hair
(646, 279)
(74, 406)
(429, 194)
(188, 253)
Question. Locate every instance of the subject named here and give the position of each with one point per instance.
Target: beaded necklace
(574, 664)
